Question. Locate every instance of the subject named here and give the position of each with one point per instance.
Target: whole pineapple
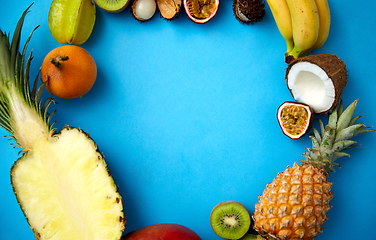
(61, 181)
(294, 205)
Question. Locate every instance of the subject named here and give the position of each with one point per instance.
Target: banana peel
(71, 21)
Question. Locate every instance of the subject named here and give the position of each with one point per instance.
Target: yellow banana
(305, 25)
(282, 17)
(324, 15)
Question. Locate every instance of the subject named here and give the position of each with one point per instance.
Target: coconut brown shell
(334, 67)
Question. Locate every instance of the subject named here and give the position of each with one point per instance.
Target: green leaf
(342, 145)
(345, 118)
(348, 132)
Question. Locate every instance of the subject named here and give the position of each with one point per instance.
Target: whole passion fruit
(294, 118)
(201, 11)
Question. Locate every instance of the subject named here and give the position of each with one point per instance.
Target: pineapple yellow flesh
(61, 181)
(65, 190)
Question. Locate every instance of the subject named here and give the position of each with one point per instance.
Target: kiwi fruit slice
(113, 5)
(230, 220)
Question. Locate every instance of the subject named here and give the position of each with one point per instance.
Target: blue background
(185, 114)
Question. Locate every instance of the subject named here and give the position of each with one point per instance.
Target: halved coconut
(248, 11)
(201, 11)
(294, 119)
(169, 9)
(317, 80)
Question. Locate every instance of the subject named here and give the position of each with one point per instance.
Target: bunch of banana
(304, 24)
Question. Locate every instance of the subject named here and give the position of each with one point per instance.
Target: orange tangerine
(70, 71)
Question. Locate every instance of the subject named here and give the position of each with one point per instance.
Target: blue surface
(185, 114)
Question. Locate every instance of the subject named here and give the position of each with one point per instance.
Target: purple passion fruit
(201, 11)
(294, 118)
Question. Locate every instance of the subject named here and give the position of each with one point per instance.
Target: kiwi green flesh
(230, 220)
(113, 5)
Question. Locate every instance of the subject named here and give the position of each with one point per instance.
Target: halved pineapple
(61, 182)
(65, 190)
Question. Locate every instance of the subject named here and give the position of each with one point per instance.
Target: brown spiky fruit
(294, 205)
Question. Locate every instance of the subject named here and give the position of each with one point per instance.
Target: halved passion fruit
(201, 11)
(294, 118)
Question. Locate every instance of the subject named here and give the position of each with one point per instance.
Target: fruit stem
(57, 60)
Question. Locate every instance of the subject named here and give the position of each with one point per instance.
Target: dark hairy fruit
(294, 118)
(248, 11)
(230, 220)
(201, 11)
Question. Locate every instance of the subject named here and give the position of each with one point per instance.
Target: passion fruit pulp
(294, 118)
(201, 11)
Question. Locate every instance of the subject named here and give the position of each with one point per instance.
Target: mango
(162, 231)
(71, 21)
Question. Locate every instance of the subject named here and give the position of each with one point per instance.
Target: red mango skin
(162, 231)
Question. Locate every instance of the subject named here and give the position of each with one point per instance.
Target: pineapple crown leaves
(14, 73)
(334, 138)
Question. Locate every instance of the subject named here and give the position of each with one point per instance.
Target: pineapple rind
(66, 192)
(294, 205)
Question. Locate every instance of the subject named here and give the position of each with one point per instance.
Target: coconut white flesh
(311, 85)
(241, 15)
